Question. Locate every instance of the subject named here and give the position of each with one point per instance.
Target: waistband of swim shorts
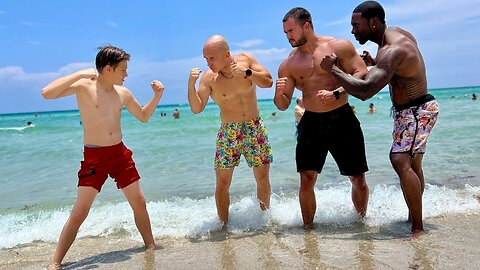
(414, 103)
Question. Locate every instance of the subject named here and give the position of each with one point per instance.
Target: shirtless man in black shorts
(324, 127)
(400, 64)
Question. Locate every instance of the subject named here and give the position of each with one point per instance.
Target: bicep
(204, 90)
(132, 105)
(350, 61)
(381, 74)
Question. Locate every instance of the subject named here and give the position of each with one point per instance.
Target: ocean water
(39, 163)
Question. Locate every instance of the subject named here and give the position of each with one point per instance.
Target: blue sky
(43, 40)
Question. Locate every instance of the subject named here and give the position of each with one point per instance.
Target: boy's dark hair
(371, 9)
(301, 15)
(110, 55)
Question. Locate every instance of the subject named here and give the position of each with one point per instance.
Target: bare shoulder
(122, 90)
(208, 77)
(404, 33)
(340, 45)
(244, 57)
(84, 86)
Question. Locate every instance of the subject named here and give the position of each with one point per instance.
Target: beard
(301, 41)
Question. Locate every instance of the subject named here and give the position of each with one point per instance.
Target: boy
(100, 101)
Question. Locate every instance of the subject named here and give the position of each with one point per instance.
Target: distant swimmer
(400, 64)
(231, 82)
(176, 114)
(474, 97)
(100, 100)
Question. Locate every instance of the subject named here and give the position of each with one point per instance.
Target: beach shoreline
(450, 242)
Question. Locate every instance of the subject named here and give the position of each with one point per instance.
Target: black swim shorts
(337, 132)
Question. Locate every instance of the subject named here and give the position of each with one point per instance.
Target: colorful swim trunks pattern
(249, 139)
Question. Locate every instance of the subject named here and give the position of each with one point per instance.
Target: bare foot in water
(153, 247)
(308, 227)
(415, 234)
(54, 266)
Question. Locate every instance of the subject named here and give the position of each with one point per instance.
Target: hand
(328, 62)
(280, 85)
(194, 74)
(367, 58)
(157, 87)
(325, 97)
(237, 71)
(89, 73)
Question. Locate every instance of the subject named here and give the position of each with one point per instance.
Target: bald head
(217, 43)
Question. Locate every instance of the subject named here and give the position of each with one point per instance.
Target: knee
(307, 182)
(359, 181)
(78, 216)
(399, 162)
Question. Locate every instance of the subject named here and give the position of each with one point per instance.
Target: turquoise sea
(39, 163)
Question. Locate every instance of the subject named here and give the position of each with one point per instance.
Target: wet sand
(450, 242)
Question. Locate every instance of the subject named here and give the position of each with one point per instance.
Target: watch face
(248, 72)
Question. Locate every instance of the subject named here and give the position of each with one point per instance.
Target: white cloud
(248, 43)
(33, 43)
(113, 24)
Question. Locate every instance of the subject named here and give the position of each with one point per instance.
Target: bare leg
(417, 168)
(135, 198)
(359, 193)
(263, 185)
(308, 203)
(85, 198)
(222, 194)
(411, 187)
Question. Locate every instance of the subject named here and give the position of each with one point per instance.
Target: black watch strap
(336, 93)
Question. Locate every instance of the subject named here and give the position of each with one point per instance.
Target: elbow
(45, 94)
(195, 111)
(269, 83)
(266, 83)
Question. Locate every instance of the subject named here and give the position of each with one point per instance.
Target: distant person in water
(100, 100)
(299, 110)
(371, 108)
(474, 97)
(176, 114)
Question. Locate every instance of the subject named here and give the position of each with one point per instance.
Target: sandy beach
(451, 242)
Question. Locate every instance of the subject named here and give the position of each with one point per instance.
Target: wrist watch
(336, 93)
(248, 73)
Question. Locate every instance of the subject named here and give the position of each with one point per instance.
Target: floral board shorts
(249, 139)
(412, 126)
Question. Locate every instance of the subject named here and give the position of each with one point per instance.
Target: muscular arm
(350, 61)
(284, 88)
(142, 113)
(260, 75)
(377, 78)
(198, 99)
(66, 86)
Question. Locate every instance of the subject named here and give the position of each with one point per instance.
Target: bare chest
(232, 91)
(305, 68)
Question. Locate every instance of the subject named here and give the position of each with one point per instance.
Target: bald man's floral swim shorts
(249, 139)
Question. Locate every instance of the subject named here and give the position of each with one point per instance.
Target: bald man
(231, 83)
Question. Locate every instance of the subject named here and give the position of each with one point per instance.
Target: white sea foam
(186, 217)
